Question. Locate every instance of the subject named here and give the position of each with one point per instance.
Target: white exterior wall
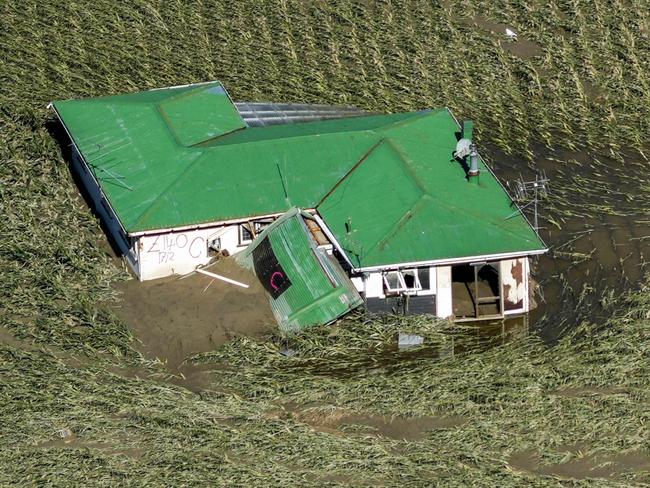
(433, 277)
(126, 245)
(375, 286)
(371, 284)
(444, 306)
(181, 252)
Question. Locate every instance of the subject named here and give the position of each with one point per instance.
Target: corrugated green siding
(320, 290)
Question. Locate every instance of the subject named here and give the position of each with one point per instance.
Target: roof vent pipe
(473, 161)
(467, 129)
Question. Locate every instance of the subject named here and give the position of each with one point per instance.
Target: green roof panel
(200, 114)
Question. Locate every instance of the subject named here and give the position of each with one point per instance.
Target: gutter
(459, 260)
(239, 220)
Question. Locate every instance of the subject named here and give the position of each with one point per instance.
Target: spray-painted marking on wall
(280, 278)
(168, 247)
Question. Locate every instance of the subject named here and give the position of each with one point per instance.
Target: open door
(476, 291)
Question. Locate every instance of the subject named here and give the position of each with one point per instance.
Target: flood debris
(222, 278)
(407, 341)
(288, 352)
(65, 433)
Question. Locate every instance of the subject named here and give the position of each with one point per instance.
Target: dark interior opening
(475, 290)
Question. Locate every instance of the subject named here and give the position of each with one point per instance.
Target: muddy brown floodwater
(581, 464)
(339, 421)
(598, 251)
(177, 317)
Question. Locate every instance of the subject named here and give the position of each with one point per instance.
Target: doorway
(476, 291)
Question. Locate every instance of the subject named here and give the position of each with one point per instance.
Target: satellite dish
(462, 148)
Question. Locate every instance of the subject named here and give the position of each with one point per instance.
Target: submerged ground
(82, 402)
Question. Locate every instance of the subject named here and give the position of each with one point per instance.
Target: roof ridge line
(405, 164)
(207, 144)
(354, 167)
(408, 120)
(163, 192)
(454, 209)
(491, 221)
(400, 223)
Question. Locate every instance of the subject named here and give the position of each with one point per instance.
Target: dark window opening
(475, 290)
(245, 234)
(425, 279)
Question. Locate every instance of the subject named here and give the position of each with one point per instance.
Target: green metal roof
(183, 156)
(154, 180)
(183, 114)
(305, 285)
(409, 201)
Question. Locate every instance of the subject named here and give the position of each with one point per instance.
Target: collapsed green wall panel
(305, 285)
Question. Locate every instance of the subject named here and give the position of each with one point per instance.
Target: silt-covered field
(563, 399)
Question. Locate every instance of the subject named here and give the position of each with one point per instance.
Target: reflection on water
(470, 337)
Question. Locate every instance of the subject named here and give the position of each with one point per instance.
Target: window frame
(240, 232)
(402, 288)
(416, 280)
(257, 225)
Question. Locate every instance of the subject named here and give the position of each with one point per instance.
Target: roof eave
(88, 168)
(448, 261)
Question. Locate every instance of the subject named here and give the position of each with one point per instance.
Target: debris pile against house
(401, 205)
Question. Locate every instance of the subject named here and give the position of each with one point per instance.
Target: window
(245, 234)
(424, 275)
(250, 230)
(214, 245)
(411, 280)
(393, 281)
(406, 281)
(260, 225)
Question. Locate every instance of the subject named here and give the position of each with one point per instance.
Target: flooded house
(402, 202)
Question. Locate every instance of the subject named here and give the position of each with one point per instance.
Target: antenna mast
(529, 193)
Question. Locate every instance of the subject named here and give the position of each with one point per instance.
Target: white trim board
(451, 261)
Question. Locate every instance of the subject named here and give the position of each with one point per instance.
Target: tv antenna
(529, 193)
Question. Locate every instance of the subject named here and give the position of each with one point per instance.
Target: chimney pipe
(473, 161)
